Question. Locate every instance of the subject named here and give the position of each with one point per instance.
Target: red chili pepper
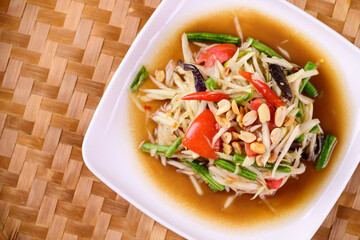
(248, 151)
(199, 136)
(263, 89)
(146, 107)
(214, 96)
(273, 183)
(221, 52)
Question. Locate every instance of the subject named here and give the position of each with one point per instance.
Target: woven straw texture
(56, 59)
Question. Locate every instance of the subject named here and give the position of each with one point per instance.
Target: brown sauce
(329, 108)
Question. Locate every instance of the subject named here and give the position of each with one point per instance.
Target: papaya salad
(236, 115)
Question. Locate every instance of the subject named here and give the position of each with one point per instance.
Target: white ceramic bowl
(110, 156)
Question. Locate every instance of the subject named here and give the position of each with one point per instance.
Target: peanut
(275, 135)
(226, 71)
(259, 160)
(224, 106)
(247, 137)
(160, 75)
(230, 115)
(264, 113)
(227, 149)
(289, 121)
(235, 107)
(249, 118)
(258, 147)
(280, 115)
(226, 137)
(223, 122)
(237, 147)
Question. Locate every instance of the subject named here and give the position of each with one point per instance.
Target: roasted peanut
(223, 122)
(230, 115)
(280, 115)
(235, 107)
(264, 113)
(249, 118)
(247, 137)
(226, 137)
(226, 71)
(272, 159)
(237, 147)
(160, 75)
(258, 147)
(227, 149)
(235, 136)
(289, 121)
(259, 160)
(275, 135)
(224, 106)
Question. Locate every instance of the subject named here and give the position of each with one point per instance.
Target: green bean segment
(211, 85)
(172, 149)
(329, 144)
(263, 48)
(306, 85)
(232, 168)
(242, 99)
(238, 158)
(146, 147)
(205, 175)
(212, 37)
(139, 78)
(299, 138)
(270, 166)
(315, 129)
(300, 113)
(310, 90)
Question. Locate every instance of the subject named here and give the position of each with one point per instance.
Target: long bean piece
(310, 89)
(263, 48)
(306, 85)
(173, 147)
(315, 129)
(139, 78)
(329, 144)
(211, 84)
(242, 99)
(231, 167)
(146, 147)
(205, 175)
(270, 166)
(212, 37)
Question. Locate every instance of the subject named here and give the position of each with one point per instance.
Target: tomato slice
(221, 52)
(198, 137)
(273, 183)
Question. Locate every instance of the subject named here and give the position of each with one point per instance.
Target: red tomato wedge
(221, 52)
(273, 183)
(263, 89)
(214, 96)
(200, 133)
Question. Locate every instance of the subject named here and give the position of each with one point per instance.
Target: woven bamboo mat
(56, 59)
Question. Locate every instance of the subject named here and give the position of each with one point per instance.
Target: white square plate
(109, 155)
